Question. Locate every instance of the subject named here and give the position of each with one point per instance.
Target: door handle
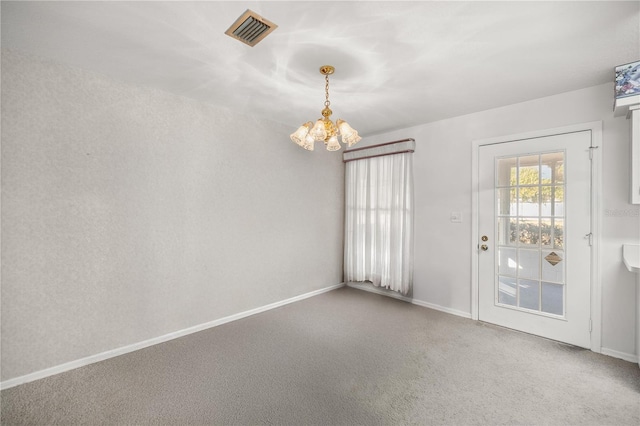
(484, 247)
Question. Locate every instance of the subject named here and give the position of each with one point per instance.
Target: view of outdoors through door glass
(530, 269)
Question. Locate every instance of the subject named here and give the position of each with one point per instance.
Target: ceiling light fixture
(324, 130)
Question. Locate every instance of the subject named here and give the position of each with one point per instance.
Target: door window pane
(551, 272)
(507, 171)
(558, 200)
(507, 231)
(529, 263)
(507, 290)
(507, 202)
(529, 296)
(507, 261)
(552, 167)
(530, 235)
(529, 231)
(553, 298)
(558, 233)
(546, 200)
(529, 170)
(546, 173)
(546, 240)
(529, 201)
(552, 200)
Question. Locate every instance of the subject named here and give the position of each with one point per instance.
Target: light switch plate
(456, 217)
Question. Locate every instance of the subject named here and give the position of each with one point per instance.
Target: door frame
(595, 127)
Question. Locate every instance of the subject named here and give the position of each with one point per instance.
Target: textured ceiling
(397, 63)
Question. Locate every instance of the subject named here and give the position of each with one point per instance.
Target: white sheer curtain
(379, 219)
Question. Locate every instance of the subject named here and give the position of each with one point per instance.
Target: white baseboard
(371, 288)
(442, 308)
(156, 340)
(621, 355)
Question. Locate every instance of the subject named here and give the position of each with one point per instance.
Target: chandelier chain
(326, 91)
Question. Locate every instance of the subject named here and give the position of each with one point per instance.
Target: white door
(534, 236)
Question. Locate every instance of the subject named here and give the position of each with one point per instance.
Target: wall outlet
(456, 217)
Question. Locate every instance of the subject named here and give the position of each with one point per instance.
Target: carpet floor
(346, 357)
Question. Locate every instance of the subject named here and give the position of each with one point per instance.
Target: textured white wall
(443, 184)
(129, 213)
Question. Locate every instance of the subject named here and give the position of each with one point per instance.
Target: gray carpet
(346, 357)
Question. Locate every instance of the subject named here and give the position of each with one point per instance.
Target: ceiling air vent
(250, 28)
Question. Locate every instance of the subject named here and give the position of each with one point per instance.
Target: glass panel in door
(530, 273)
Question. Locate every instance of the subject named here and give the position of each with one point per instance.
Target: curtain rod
(377, 146)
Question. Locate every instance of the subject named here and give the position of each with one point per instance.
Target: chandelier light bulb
(333, 144)
(299, 135)
(318, 132)
(309, 142)
(349, 134)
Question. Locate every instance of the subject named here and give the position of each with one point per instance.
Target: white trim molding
(154, 341)
(595, 128)
(620, 355)
(441, 308)
(372, 289)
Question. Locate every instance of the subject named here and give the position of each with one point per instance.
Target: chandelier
(324, 130)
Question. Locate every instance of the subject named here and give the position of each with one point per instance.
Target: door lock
(484, 238)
